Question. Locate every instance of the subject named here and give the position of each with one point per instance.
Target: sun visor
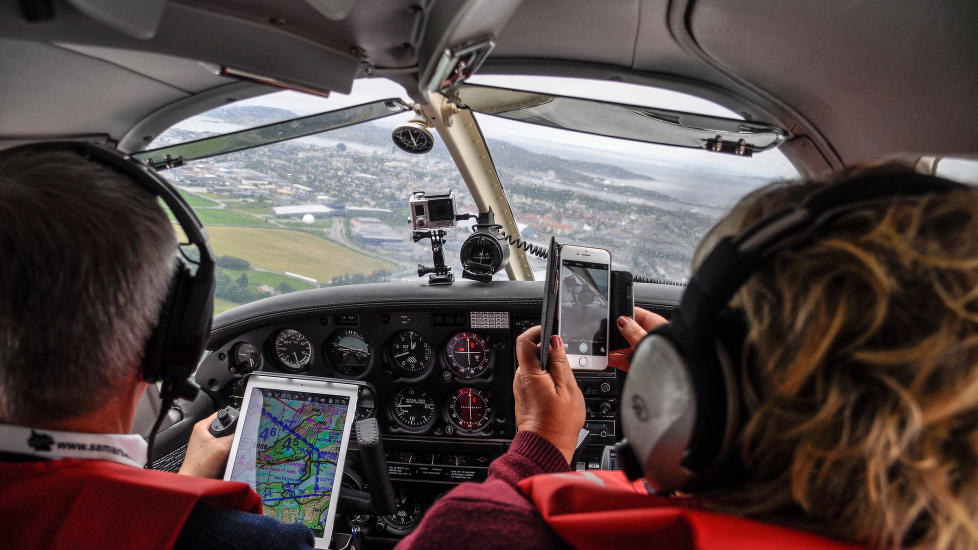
(617, 120)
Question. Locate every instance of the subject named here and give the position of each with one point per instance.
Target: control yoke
(380, 499)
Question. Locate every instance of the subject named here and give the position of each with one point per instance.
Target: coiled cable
(541, 252)
(531, 248)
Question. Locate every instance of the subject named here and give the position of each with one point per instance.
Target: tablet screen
(288, 452)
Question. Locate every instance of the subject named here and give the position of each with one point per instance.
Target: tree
(341, 147)
(222, 281)
(230, 262)
(242, 280)
(285, 288)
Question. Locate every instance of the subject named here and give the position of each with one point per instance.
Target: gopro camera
(433, 211)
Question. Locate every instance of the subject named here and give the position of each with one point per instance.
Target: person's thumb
(631, 330)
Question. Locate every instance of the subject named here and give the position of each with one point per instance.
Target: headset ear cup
(154, 357)
(658, 411)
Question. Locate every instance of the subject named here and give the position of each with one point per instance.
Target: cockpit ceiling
(874, 77)
(861, 80)
(381, 32)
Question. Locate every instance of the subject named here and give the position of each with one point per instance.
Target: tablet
(290, 445)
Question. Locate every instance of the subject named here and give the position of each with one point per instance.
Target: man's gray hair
(86, 259)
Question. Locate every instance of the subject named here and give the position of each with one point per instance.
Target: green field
(256, 278)
(284, 250)
(196, 201)
(226, 216)
(223, 216)
(221, 305)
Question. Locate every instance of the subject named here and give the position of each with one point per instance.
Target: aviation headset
(178, 340)
(681, 405)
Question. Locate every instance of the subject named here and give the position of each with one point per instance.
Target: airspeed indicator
(293, 351)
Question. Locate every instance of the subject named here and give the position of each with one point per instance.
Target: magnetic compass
(413, 137)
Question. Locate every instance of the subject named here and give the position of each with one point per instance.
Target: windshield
(332, 209)
(648, 204)
(319, 211)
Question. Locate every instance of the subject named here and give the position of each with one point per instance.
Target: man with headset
(94, 306)
(821, 373)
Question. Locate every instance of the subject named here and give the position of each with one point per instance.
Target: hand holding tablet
(290, 446)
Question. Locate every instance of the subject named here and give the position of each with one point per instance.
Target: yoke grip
(375, 466)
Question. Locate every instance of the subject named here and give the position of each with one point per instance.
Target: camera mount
(439, 274)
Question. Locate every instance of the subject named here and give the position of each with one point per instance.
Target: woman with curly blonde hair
(860, 373)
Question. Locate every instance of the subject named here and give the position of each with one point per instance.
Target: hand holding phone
(584, 295)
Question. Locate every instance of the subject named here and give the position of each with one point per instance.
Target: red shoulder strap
(98, 504)
(603, 510)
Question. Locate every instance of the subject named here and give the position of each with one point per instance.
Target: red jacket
(531, 500)
(598, 510)
(83, 504)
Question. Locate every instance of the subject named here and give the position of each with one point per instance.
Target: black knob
(605, 387)
(224, 424)
(605, 407)
(245, 357)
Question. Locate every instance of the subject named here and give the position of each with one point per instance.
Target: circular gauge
(245, 357)
(410, 353)
(483, 254)
(406, 515)
(467, 354)
(414, 137)
(413, 410)
(469, 409)
(348, 352)
(293, 350)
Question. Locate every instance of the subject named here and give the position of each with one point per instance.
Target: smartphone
(583, 305)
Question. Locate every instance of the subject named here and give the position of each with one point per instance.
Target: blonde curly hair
(861, 373)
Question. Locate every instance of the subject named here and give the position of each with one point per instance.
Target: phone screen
(584, 307)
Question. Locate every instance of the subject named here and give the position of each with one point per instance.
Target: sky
(631, 155)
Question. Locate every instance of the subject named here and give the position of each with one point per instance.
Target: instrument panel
(440, 375)
(435, 369)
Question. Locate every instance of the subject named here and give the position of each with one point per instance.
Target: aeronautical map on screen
(288, 450)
